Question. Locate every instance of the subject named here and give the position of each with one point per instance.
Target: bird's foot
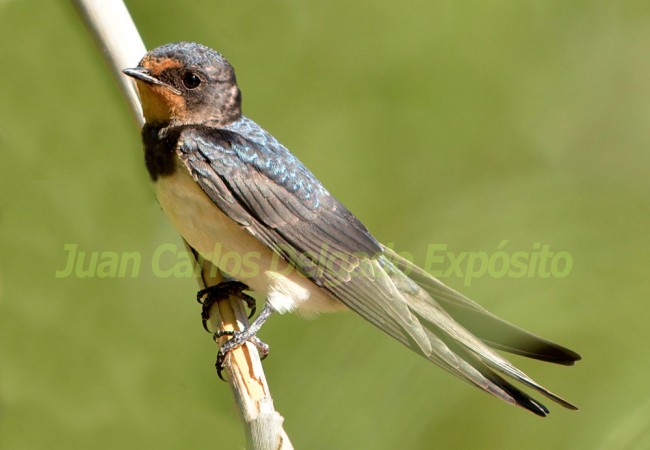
(239, 338)
(209, 296)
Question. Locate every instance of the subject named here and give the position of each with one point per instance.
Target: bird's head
(186, 83)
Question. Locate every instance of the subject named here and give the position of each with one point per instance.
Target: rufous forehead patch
(158, 65)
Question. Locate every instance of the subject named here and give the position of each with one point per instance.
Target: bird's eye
(191, 80)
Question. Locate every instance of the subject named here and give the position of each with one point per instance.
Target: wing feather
(259, 184)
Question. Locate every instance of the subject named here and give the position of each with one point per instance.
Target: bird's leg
(209, 296)
(240, 337)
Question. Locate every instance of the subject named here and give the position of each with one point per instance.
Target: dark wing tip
(536, 408)
(538, 349)
(519, 397)
(558, 354)
(570, 406)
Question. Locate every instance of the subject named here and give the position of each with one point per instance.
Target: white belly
(235, 251)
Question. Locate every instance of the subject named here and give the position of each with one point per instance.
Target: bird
(229, 187)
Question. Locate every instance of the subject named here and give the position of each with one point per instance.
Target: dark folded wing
(259, 184)
(263, 187)
(267, 190)
(491, 329)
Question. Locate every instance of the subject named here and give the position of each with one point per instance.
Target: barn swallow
(222, 179)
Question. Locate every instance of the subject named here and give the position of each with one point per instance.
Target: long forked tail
(461, 333)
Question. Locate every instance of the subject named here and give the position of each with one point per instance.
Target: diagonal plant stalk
(118, 39)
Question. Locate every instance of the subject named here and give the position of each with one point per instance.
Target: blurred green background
(436, 122)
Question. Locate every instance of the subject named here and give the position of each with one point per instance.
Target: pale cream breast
(234, 250)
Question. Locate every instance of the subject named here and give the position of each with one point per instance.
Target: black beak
(142, 74)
